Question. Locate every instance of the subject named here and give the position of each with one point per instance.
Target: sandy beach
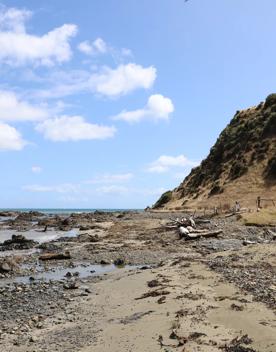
(165, 294)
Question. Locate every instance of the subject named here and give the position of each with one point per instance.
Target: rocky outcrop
(17, 242)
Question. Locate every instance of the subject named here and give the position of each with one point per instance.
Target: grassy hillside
(240, 166)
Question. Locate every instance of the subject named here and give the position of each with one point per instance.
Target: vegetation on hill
(165, 198)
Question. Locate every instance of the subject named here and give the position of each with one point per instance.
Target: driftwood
(242, 211)
(202, 221)
(194, 235)
(55, 256)
(184, 222)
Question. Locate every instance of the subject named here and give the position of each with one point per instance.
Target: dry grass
(265, 217)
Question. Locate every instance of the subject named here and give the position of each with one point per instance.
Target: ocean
(65, 211)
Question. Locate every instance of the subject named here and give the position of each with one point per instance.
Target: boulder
(119, 262)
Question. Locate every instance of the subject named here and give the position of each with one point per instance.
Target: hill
(241, 166)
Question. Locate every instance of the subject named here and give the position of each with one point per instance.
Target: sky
(107, 104)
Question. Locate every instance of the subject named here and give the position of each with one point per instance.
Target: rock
(7, 214)
(237, 307)
(8, 265)
(68, 274)
(5, 267)
(104, 262)
(119, 262)
(33, 339)
(153, 283)
(85, 227)
(86, 237)
(94, 238)
(71, 285)
(161, 300)
(121, 215)
(17, 242)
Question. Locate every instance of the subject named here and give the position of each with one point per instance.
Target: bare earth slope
(240, 166)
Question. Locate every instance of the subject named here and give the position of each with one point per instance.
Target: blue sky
(107, 104)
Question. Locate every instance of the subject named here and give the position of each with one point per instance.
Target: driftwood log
(206, 234)
(55, 256)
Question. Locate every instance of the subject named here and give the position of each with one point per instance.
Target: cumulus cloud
(110, 178)
(10, 138)
(106, 81)
(98, 46)
(13, 108)
(158, 108)
(36, 169)
(13, 19)
(122, 80)
(164, 163)
(20, 48)
(73, 128)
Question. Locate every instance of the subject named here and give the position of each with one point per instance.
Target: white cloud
(99, 46)
(13, 19)
(36, 169)
(14, 109)
(105, 81)
(158, 108)
(164, 163)
(20, 48)
(10, 138)
(122, 80)
(62, 188)
(62, 83)
(113, 189)
(110, 178)
(73, 128)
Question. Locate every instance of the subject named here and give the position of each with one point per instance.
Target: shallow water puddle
(58, 274)
(6, 218)
(38, 235)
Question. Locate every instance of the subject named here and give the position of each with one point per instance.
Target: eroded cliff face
(240, 166)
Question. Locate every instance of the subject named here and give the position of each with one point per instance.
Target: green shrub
(270, 100)
(165, 198)
(270, 171)
(270, 126)
(238, 169)
(216, 189)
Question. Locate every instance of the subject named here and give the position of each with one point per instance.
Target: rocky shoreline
(50, 264)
